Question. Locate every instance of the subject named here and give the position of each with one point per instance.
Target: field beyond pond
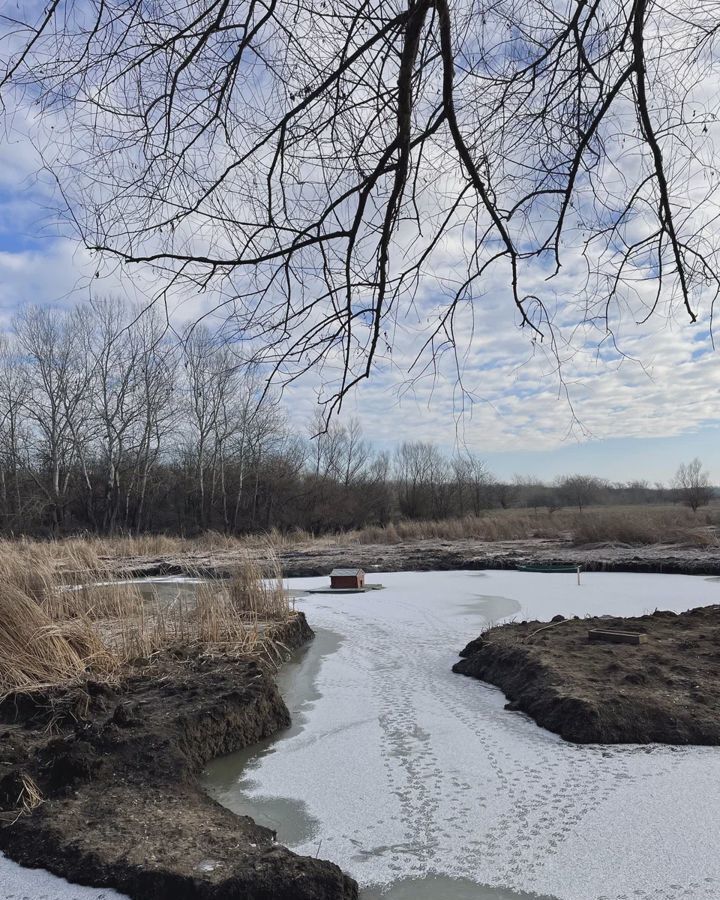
(669, 539)
(633, 526)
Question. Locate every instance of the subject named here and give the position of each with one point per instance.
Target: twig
(544, 628)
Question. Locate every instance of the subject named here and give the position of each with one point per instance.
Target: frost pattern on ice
(411, 770)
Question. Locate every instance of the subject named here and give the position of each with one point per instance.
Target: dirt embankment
(666, 689)
(108, 778)
(320, 557)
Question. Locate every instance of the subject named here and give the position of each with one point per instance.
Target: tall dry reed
(37, 651)
(59, 621)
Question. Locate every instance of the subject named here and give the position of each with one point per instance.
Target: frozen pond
(418, 783)
(18, 883)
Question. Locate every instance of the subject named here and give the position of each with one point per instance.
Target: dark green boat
(547, 568)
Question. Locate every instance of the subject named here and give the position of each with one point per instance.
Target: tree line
(111, 422)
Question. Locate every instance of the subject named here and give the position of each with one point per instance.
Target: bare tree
(356, 453)
(272, 447)
(505, 493)
(116, 396)
(13, 436)
(473, 483)
(328, 447)
(156, 375)
(579, 490)
(310, 162)
(535, 494)
(56, 402)
(377, 494)
(422, 478)
(212, 381)
(260, 417)
(693, 484)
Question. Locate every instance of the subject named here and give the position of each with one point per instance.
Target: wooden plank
(617, 637)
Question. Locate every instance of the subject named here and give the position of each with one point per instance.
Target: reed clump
(256, 587)
(60, 621)
(37, 651)
(241, 611)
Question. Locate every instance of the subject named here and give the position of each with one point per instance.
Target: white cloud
(512, 395)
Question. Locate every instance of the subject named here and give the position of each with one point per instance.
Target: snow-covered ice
(404, 769)
(18, 883)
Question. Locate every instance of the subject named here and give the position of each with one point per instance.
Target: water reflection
(229, 778)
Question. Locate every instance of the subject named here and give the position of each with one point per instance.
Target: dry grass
(30, 795)
(55, 628)
(495, 526)
(62, 615)
(638, 527)
(162, 546)
(37, 651)
(626, 525)
(256, 589)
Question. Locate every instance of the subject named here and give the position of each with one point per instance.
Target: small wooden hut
(347, 578)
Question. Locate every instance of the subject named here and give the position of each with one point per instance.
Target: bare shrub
(693, 484)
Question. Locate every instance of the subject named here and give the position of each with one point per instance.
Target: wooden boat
(551, 569)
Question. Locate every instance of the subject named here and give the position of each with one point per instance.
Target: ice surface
(17, 883)
(407, 770)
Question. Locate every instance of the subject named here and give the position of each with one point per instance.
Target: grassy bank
(62, 615)
(619, 524)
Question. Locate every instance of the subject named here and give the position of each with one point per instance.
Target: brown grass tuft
(59, 621)
(37, 651)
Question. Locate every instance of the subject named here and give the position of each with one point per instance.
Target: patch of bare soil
(98, 784)
(436, 555)
(666, 689)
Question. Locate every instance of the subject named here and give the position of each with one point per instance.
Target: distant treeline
(111, 423)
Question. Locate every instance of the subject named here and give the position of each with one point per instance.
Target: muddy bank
(108, 778)
(666, 689)
(320, 557)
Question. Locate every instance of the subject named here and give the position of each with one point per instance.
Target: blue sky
(618, 459)
(520, 424)
(620, 417)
